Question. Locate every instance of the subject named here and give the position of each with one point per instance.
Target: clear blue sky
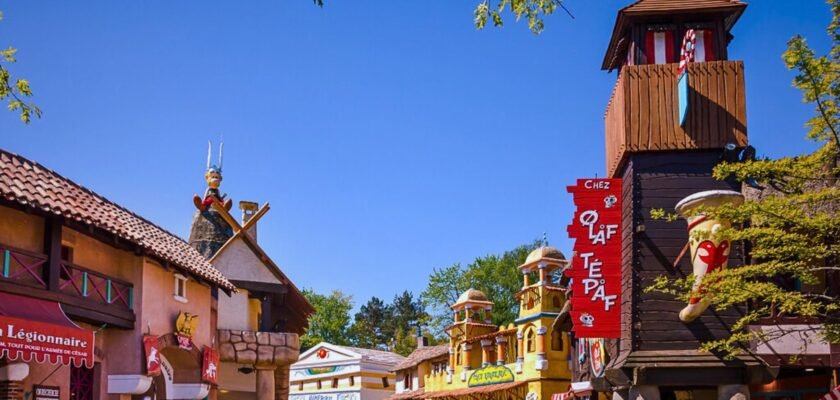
(390, 137)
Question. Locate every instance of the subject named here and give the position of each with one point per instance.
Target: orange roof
(33, 185)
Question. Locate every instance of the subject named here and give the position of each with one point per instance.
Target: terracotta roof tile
(422, 354)
(32, 184)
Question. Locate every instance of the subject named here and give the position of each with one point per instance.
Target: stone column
(541, 266)
(467, 348)
(281, 382)
(501, 350)
(733, 392)
(468, 312)
(520, 351)
(542, 362)
(487, 319)
(525, 278)
(485, 352)
(644, 393)
(265, 383)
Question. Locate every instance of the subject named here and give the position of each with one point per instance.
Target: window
(557, 340)
(557, 302)
(458, 357)
(300, 386)
(384, 382)
(406, 381)
(83, 383)
(319, 384)
(335, 383)
(352, 381)
(66, 253)
(180, 288)
(530, 345)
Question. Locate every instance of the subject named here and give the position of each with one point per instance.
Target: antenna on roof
(545, 239)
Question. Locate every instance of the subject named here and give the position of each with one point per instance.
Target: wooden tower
(662, 159)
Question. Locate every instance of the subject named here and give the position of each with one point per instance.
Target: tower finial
(545, 239)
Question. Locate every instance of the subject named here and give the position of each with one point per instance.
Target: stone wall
(260, 349)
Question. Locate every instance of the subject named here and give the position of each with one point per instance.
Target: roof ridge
(93, 193)
(120, 225)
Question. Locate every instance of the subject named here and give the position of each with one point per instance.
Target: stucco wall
(159, 309)
(21, 230)
(238, 262)
(238, 312)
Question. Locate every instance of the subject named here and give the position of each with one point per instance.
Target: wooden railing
(80, 281)
(642, 114)
(23, 267)
(77, 286)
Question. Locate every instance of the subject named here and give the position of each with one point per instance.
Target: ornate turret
(540, 303)
(209, 229)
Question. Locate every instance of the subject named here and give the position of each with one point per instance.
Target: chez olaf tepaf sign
(596, 263)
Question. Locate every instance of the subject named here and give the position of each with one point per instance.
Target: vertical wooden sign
(596, 263)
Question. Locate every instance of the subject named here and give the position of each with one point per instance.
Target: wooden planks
(642, 112)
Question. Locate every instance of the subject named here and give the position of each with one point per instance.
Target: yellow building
(526, 359)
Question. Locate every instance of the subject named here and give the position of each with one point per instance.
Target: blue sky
(389, 137)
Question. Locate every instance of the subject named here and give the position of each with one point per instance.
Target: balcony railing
(643, 112)
(85, 293)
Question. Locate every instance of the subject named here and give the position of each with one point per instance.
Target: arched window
(556, 340)
(458, 355)
(530, 343)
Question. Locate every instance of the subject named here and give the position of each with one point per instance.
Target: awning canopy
(38, 330)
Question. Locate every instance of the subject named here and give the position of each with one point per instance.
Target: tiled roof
(380, 356)
(31, 184)
(645, 6)
(422, 354)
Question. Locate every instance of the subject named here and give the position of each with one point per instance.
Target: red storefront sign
(210, 366)
(150, 345)
(596, 263)
(29, 340)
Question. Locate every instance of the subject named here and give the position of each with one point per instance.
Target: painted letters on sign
(42, 342)
(490, 375)
(596, 264)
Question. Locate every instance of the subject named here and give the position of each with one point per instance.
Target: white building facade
(331, 372)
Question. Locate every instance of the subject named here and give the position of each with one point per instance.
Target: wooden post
(52, 248)
(266, 324)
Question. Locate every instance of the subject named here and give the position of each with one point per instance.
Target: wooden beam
(52, 248)
(75, 302)
(227, 217)
(273, 288)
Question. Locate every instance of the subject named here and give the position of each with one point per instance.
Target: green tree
(369, 329)
(792, 225)
(405, 315)
(495, 275)
(15, 90)
(331, 319)
(493, 10)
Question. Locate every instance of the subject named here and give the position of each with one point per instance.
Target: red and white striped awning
(834, 394)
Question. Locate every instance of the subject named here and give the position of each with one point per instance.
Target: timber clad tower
(662, 158)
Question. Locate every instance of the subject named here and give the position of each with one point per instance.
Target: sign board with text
(596, 264)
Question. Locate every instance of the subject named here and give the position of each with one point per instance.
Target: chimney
(422, 341)
(249, 208)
